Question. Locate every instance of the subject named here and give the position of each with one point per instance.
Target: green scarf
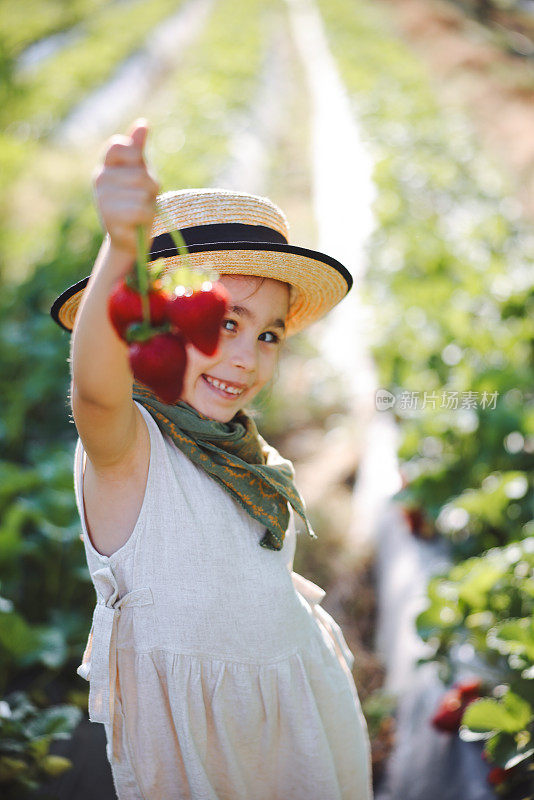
(237, 457)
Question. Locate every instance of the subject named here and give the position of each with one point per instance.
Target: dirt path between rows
(494, 88)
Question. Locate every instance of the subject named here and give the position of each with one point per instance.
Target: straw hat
(239, 234)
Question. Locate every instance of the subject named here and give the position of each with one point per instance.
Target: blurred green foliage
(450, 277)
(26, 733)
(21, 29)
(46, 595)
(41, 96)
(487, 603)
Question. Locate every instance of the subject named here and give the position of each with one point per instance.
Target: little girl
(212, 665)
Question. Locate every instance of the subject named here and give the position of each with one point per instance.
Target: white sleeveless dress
(212, 665)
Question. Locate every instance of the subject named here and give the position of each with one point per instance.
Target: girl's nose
(244, 353)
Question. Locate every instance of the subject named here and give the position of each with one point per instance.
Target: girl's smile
(225, 387)
(249, 347)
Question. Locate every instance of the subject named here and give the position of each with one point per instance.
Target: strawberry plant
(35, 100)
(505, 724)
(447, 251)
(189, 149)
(487, 604)
(483, 601)
(450, 278)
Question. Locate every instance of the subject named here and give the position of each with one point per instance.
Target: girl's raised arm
(101, 378)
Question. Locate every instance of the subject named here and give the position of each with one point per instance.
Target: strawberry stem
(178, 239)
(185, 275)
(142, 274)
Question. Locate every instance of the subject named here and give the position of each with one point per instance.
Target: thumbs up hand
(124, 189)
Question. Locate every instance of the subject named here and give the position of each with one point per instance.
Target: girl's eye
(275, 336)
(274, 340)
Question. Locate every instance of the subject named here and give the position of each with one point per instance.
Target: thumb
(138, 133)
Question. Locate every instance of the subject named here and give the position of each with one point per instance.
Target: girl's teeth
(223, 386)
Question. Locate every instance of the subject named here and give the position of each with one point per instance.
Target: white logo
(384, 399)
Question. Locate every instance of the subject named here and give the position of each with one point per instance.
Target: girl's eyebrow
(246, 312)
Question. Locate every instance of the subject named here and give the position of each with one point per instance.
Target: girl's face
(249, 346)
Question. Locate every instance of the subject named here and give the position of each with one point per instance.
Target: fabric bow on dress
(314, 595)
(99, 662)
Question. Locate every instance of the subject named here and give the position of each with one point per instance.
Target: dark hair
(262, 279)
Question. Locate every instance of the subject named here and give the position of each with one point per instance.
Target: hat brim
(319, 280)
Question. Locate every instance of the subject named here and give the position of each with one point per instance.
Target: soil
(473, 73)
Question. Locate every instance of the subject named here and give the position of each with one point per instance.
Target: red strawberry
(160, 362)
(124, 305)
(469, 688)
(199, 315)
(414, 518)
(497, 775)
(449, 715)
(418, 522)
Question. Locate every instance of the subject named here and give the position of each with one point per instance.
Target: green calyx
(143, 331)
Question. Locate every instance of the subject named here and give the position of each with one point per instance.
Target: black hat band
(163, 246)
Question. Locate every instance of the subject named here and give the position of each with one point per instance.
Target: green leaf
(55, 765)
(17, 638)
(511, 715)
(519, 707)
(513, 636)
(39, 747)
(474, 589)
(11, 768)
(55, 721)
(500, 747)
(52, 647)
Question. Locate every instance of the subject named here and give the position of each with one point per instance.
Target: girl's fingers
(126, 192)
(138, 134)
(121, 152)
(131, 206)
(127, 150)
(133, 177)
